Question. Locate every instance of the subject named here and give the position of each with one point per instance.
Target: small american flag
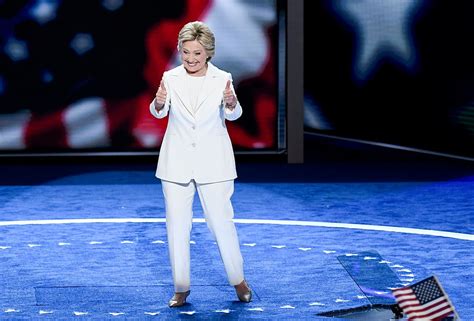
(424, 300)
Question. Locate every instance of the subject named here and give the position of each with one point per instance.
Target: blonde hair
(199, 31)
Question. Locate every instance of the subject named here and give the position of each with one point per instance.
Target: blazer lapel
(211, 81)
(181, 89)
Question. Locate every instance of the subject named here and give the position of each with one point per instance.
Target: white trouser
(218, 211)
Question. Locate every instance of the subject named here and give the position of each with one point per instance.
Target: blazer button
(193, 127)
(193, 144)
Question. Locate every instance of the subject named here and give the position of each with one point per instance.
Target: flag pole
(456, 315)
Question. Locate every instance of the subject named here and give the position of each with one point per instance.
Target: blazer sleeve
(163, 112)
(237, 111)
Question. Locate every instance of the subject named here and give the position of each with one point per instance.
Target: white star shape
(16, 49)
(112, 5)
(44, 10)
(382, 31)
(82, 43)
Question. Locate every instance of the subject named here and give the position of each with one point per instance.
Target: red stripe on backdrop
(46, 131)
(119, 119)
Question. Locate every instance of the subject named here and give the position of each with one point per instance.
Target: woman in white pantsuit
(196, 154)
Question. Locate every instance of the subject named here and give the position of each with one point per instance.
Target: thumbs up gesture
(160, 97)
(230, 100)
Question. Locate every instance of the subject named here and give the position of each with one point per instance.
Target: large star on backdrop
(382, 30)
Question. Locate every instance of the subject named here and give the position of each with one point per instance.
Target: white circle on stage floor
(369, 227)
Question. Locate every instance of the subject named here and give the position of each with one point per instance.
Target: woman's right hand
(160, 97)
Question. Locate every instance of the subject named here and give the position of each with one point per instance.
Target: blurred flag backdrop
(78, 75)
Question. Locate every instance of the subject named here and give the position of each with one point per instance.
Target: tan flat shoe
(178, 299)
(244, 293)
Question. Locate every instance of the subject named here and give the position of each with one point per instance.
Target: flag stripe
(411, 303)
(423, 313)
(12, 130)
(86, 123)
(435, 316)
(402, 292)
(407, 300)
(441, 300)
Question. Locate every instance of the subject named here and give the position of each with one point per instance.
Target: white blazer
(196, 144)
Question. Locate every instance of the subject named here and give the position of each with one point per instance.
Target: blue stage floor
(87, 241)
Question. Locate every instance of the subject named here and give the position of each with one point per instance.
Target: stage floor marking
(384, 228)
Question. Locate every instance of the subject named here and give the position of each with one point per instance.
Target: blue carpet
(121, 270)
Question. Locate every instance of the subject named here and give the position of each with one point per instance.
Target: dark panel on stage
(394, 72)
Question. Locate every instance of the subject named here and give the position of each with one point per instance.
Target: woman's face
(194, 56)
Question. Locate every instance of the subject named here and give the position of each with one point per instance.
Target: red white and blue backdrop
(79, 75)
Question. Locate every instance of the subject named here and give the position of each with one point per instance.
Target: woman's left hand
(230, 100)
